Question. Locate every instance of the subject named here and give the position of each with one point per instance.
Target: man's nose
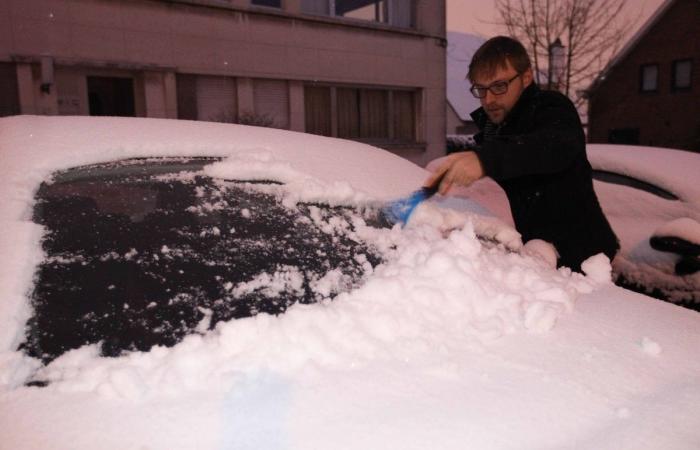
(488, 98)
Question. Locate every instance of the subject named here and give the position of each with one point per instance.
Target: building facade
(460, 101)
(650, 93)
(368, 70)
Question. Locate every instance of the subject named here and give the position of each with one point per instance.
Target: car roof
(675, 171)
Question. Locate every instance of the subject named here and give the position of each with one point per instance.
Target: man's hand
(462, 168)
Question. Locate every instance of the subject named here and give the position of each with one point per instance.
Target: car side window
(625, 180)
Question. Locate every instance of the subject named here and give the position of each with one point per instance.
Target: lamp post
(557, 65)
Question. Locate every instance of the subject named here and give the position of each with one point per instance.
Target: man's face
(497, 106)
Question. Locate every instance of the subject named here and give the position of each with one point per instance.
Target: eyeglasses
(496, 88)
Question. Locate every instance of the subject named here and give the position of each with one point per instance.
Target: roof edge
(631, 44)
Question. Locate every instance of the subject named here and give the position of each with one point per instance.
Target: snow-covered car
(652, 199)
(177, 285)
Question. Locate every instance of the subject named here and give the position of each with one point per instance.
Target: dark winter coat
(538, 157)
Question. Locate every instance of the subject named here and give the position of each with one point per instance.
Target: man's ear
(527, 77)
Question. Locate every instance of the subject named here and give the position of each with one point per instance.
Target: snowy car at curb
(176, 284)
(652, 200)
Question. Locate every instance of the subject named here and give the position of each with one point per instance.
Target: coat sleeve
(554, 140)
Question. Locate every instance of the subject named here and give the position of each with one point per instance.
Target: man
(532, 144)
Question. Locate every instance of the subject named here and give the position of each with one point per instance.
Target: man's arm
(462, 168)
(552, 145)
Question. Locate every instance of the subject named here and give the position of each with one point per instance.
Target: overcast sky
(477, 16)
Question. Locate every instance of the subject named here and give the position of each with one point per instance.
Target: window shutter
(271, 100)
(216, 99)
(404, 113)
(317, 110)
(186, 96)
(348, 113)
(373, 114)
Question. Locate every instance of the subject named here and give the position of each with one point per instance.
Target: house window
(111, 96)
(393, 12)
(372, 10)
(9, 93)
(682, 75)
(365, 114)
(210, 98)
(270, 3)
(271, 102)
(404, 113)
(362, 113)
(649, 78)
(317, 110)
(320, 7)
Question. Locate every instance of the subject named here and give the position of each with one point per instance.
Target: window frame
(642, 69)
(674, 72)
(387, 7)
(391, 120)
(256, 5)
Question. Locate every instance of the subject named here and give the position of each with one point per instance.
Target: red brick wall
(664, 118)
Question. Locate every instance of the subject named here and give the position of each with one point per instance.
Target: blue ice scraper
(399, 211)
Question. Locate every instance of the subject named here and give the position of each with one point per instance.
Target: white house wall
(154, 40)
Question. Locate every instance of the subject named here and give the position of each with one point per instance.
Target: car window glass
(143, 252)
(625, 180)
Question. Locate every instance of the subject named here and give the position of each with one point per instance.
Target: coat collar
(479, 115)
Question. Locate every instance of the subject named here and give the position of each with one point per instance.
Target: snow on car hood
(508, 293)
(450, 341)
(33, 147)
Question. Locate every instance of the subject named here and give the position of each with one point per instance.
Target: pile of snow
(461, 337)
(451, 286)
(634, 214)
(432, 290)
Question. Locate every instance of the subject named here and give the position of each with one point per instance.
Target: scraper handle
(431, 190)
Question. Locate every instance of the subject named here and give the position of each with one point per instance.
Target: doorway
(111, 96)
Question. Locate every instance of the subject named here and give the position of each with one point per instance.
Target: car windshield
(143, 252)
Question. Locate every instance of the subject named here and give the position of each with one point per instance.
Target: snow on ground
(452, 342)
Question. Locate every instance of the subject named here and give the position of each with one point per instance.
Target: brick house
(650, 92)
(369, 70)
